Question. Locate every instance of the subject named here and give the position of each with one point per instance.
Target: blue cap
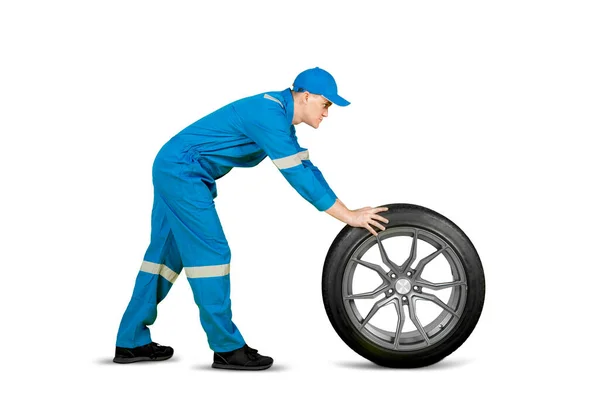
(319, 81)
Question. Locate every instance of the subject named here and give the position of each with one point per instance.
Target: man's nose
(326, 113)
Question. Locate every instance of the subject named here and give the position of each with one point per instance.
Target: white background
(483, 111)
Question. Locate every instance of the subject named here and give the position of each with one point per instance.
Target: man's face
(316, 110)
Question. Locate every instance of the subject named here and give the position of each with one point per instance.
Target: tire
(439, 326)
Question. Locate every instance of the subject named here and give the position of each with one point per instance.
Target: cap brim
(337, 100)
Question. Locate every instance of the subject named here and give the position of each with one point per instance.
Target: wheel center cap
(403, 286)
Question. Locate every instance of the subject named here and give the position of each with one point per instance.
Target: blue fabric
(242, 134)
(186, 230)
(319, 81)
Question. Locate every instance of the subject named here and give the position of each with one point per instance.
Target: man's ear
(305, 96)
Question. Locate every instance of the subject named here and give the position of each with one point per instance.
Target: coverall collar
(288, 103)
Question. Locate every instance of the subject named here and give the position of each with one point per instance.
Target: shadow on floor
(449, 363)
(207, 367)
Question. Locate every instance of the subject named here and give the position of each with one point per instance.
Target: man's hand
(361, 218)
(367, 216)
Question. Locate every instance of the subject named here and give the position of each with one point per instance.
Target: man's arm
(268, 127)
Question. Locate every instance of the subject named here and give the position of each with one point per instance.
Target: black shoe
(244, 358)
(150, 352)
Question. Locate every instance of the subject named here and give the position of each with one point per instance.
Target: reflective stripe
(159, 269)
(288, 162)
(273, 98)
(291, 161)
(207, 271)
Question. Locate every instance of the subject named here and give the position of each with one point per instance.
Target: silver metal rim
(402, 285)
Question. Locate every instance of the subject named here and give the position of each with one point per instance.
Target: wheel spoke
(436, 300)
(403, 269)
(413, 253)
(401, 318)
(413, 316)
(426, 260)
(439, 286)
(374, 267)
(369, 295)
(385, 258)
(374, 309)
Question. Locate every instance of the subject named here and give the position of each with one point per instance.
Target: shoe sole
(240, 367)
(137, 359)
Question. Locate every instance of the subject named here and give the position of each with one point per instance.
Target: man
(186, 231)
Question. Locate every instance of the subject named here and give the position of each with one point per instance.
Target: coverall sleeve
(313, 167)
(268, 127)
(319, 176)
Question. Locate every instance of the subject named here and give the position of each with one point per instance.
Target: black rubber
(149, 352)
(403, 215)
(240, 367)
(243, 359)
(128, 360)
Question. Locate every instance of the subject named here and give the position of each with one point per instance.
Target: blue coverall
(186, 231)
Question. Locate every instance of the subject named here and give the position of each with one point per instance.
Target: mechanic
(185, 229)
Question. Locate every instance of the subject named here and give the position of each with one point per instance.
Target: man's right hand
(365, 217)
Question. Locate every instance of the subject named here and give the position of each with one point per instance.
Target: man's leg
(206, 255)
(160, 268)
